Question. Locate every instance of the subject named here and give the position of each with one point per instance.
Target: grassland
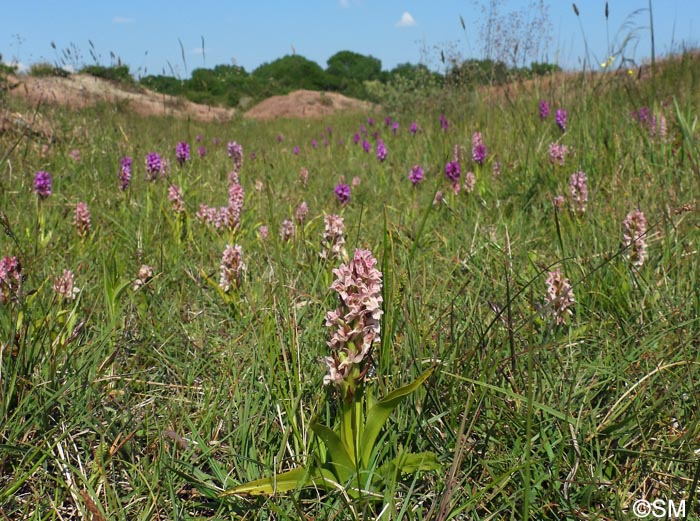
(147, 403)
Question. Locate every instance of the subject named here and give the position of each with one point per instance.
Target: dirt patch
(306, 104)
(82, 90)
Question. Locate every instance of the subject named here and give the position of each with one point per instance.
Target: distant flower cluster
(232, 267)
(82, 219)
(634, 237)
(42, 184)
(125, 172)
(579, 192)
(560, 296)
(333, 243)
(10, 279)
(557, 153)
(65, 287)
(479, 150)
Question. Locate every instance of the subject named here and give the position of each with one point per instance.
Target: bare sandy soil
(306, 104)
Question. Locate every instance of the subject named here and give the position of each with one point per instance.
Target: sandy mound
(82, 90)
(306, 104)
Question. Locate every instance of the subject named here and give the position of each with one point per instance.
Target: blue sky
(146, 34)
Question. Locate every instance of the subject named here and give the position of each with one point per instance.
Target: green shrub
(118, 73)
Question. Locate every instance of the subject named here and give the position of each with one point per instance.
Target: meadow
(540, 271)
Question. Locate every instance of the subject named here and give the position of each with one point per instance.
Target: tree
(291, 73)
(352, 66)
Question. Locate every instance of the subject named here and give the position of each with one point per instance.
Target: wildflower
(263, 232)
(496, 169)
(557, 153)
(634, 237)
(301, 212)
(215, 141)
(155, 166)
(144, 275)
(354, 325)
(236, 196)
(439, 198)
(206, 214)
(370, 121)
(202, 151)
(562, 119)
(657, 126)
(175, 198)
(329, 130)
(280, 138)
(558, 202)
(381, 150)
(198, 138)
(303, 176)
(579, 192)
(287, 231)
(82, 219)
(469, 182)
(356, 181)
(125, 172)
(232, 178)
(235, 152)
(363, 129)
(443, 123)
(416, 174)
(479, 150)
(64, 286)
(356, 138)
(182, 152)
(395, 127)
(10, 279)
(544, 110)
(413, 129)
(75, 155)
(452, 171)
(259, 186)
(366, 146)
(42, 184)
(232, 267)
(295, 151)
(387, 121)
(560, 296)
(342, 193)
(333, 243)
(314, 143)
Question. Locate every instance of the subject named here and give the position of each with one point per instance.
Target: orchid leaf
(285, 482)
(343, 463)
(409, 463)
(380, 412)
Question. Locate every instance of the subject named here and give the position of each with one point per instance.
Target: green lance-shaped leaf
(380, 412)
(343, 463)
(285, 482)
(409, 463)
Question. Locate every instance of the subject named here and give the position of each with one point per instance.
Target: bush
(117, 73)
(45, 69)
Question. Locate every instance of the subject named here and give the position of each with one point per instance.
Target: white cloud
(406, 20)
(197, 50)
(122, 20)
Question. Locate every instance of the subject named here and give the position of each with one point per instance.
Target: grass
(147, 404)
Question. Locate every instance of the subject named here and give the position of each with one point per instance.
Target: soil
(82, 90)
(306, 104)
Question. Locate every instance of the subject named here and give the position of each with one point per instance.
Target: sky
(174, 37)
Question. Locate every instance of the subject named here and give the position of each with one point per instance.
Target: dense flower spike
(301, 213)
(235, 152)
(443, 123)
(236, 198)
(416, 174)
(452, 171)
(182, 152)
(479, 150)
(342, 193)
(295, 151)
(82, 219)
(232, 267)
(558, 202)
(263, 232)
(333, 243)
(125, 172)
(579, 192)
(354, 325)
(413, 129)
(202, 151)
(155, 166)
(10, 279)
(544, 110)
(381, 150)
(469, 182)
(562, 119)
(287, 231)
(175, 198)
(304, 176)
(634, 237)
(356, 181)
(144, 275)
(557, 153)
(42, 184)
(64, 286)
(560, 296)
(366, 146)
